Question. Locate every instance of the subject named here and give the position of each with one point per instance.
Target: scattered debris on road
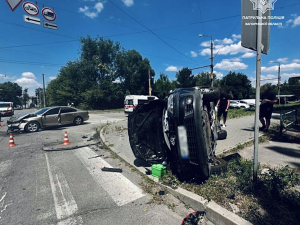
(118, 170)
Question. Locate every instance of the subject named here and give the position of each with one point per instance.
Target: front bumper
(15, 127)
(5, 113)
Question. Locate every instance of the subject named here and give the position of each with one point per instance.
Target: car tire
(32, 127)
(210, 94)
(222, 134)
(78, 120)
(219, 166)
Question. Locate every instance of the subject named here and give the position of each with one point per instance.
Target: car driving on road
(181, 131)
(47, 117)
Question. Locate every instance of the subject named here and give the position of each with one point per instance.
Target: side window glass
(52, 112)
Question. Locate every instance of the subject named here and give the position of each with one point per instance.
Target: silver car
(47, 117)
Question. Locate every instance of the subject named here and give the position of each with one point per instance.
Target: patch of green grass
(107, 111)
(272, 200)
(237, 113)
(171, 206)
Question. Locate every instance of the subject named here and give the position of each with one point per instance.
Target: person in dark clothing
(268, 99)
(223, 104)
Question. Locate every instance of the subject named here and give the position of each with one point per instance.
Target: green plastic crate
(158, 170)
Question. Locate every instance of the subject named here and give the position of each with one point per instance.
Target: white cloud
(236, 36)
(295, 21)
(283, 60)
(128, 3)
(231, 49)
(172, 68)
(283, 67)
(218, 74)
(28, 75)
(236, 59)
(289, 75)
(52, 78)
(194, 54)
(248, 55)
(296, 60)
(229, 65)
(27, 82)
(92, 12)
(205, 44)
(3, 76)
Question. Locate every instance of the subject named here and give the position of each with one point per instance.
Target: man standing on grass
(223, 104)
(268, 99)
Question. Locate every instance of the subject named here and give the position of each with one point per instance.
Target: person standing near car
(268, 99)
(223, 104)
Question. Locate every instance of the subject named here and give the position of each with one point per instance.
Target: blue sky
(27, 50)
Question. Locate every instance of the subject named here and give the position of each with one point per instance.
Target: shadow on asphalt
(62, 127)
(285, 151)
(297, 165)
(141, 163)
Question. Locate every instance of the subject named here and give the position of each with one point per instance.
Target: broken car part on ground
(181, 131)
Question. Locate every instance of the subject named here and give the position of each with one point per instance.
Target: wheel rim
(78, 120)
(32, 127)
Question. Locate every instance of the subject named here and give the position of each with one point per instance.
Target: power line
(30, 63)
(150, 31)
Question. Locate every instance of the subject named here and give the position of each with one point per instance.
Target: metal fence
(289, 119)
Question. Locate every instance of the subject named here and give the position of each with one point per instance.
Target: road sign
(49, 25)
(49, 14)
(31, 9)
(13, 4)
(249, 27)
(34, 20)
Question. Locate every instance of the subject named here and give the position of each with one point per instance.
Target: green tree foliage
(25, 97)
(238, 84)
(185, 78)
(11, 92)
(101, 77)
(203, 79)
(163, 86)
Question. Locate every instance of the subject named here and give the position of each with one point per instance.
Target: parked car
(47, 117)
(6, 109)
(181, 131)
(236, 104)
(250, 102)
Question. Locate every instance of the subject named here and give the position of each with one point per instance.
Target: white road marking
(65, 205)
(119, 188)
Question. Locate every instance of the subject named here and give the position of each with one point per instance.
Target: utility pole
(211, 62)
(44, 90)
(279, 83)
(257, 99)
(149, 78)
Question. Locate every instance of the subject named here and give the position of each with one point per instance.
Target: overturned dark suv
(181, 131)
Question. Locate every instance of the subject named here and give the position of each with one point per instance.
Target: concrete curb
(214, 212)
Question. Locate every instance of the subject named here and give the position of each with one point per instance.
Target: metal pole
(211, 62)
(258, 75)
(279, 83)
(44, 90)
(150, 92)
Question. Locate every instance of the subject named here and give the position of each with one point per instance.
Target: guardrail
(289, 119)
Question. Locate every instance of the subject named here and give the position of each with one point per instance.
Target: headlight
(171, 104)
(189, 100)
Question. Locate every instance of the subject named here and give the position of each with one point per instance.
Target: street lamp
(211, 59)
(278, 78)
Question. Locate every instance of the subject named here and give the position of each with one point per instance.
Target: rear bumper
(5, 113)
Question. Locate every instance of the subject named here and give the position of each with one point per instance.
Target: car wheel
(218, 166)
(210, 94)
(78, 120)
(32, 127)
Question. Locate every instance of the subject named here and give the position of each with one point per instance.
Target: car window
(68, 110)
(140, 102)
(41, 111)
(4, 105)
(52, 112)
(129, 102)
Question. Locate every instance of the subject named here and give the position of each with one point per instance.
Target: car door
(67, 115)
(51, 117)
(145, 130)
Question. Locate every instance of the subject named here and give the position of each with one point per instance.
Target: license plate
(183, 143)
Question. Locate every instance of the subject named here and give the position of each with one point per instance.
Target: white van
(132, 101)
(6, 108)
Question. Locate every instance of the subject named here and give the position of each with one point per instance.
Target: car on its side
(180, 131)
(236, 104)
(47, 117)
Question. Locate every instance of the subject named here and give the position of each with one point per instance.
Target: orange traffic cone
(66, 139)
(11, 141)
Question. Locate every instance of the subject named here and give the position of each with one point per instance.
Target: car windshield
(4, 105)
(41, 111)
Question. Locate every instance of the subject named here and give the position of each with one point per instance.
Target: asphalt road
(68, 187)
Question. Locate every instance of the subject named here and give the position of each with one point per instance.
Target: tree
(185, 78)
(203, 79)
(25, 97)
(238, 84)
(11, 92)
(163, 86)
